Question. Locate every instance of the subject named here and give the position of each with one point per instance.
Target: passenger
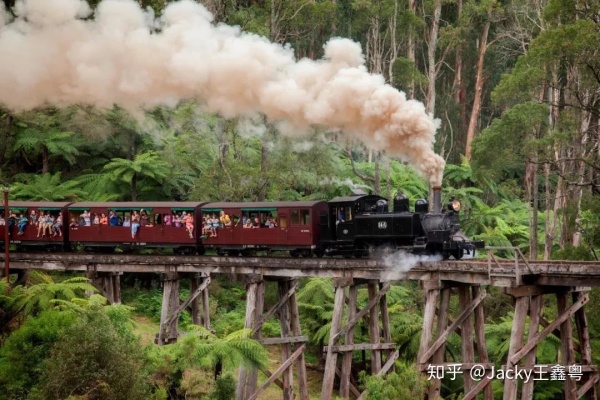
(144, 219)
(48, 225)
(74, 223)
(33, 217)
(135, 223)
(87, 218)
(2, 221)
(41, 224)
(103, 219)
(248, 223)
(189, 225)
(12, 221)
(127, 222)
(167, 219)
(224, 218)
(176, 220)
(256, 223)
(21, 223)
(206, 227)
(270, 223)
(215, 224)
(96, 219)
(113, 218)
(341, 215)
(56, 228)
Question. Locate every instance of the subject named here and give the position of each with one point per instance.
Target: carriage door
(282, 225)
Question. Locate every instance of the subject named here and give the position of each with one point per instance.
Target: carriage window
(283, 221)
(295, 217)
(305, 217)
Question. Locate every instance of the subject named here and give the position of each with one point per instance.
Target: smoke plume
(400, 262)
(60, 52)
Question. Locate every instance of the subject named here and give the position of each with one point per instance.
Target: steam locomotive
(352, 226)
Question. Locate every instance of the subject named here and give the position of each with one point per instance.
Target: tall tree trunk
(460, 91)
(45, 162)
(134, 179)
(478, 89)
(431, 64)
(410, 49)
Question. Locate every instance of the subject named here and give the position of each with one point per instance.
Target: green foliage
(225, 386)
(23, 355)
(46, 187)
(405, 383)
(93, 359)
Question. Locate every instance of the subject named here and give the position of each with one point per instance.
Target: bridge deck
(502, 273)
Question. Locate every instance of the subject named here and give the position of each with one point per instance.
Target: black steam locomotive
(358, 225)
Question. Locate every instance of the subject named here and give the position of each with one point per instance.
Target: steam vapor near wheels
(61, 53)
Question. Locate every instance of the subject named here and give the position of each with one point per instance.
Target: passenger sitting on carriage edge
(22, 223)
(167, 219)
(33, 217)
(87, 218)
(48, 225)
(57, 225)
(41, 223)
(215, 224)
(206, 227)
(189, 224)
(135, 223)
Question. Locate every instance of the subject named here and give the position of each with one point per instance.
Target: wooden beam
(386, 367)
(467, 350)
(428, 321)
(278, 372)
(480, 342)
(482, 384)
(301, 365)
(276, 307)
(284, 340)
(268, 374)
(374, 335)
(516, 341)
(349, 339)
(438, 357)
(444, 336)
(567, 352)
(361, 346)
(331, 359)
(585, 388)
(541, 335)
(187, 302)
(362, 312)
(251, 292)
(286, 328)
(535, 307)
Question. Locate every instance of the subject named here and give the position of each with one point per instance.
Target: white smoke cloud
(346, 182)
(400, 263)
(3, 16)
(124, 55)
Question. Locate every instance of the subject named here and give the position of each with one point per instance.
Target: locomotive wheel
(457, 254)
(319, 253)
(294, 253)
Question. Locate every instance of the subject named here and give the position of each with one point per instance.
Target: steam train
(352, 226)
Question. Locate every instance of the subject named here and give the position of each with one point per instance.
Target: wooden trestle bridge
(526, 281)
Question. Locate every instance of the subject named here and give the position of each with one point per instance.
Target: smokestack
(437, 200)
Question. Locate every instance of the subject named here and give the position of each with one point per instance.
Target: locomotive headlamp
(455, 205)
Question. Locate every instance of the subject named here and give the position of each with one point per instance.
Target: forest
(514, 88)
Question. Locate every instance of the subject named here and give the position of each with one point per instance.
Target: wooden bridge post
(254, 300)
(200, 317)
(377, 293)
(530, 301)
(107, 283)
(471, 322)
(169, 317)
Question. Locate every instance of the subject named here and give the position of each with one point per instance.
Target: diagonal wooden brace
(187, 302)
(276, 307)
(461, 318)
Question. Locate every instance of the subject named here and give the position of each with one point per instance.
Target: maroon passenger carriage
(30, 239)
(296, 227)
(156, 234)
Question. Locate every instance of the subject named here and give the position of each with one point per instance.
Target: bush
(96, 360)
